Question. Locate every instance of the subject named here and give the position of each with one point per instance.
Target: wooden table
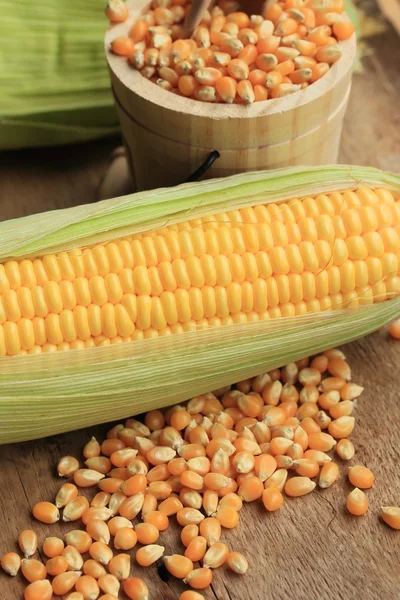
(312, 549)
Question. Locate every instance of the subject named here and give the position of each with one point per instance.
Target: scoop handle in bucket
(198, 7)
(194, 16)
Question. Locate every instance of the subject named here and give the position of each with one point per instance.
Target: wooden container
(168, 136)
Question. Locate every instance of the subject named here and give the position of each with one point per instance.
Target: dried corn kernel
(272, 499)
(148, 555)
(81, 540)
(67, 466)
(93, 568)
(39, 589)
(216, 555)
(299, 486)
(109, 584)
(345, 449)
(199, 579)
(27, 541)
(63, 583)
(88, 587)
(361, 477)
(10, 563)
(237, 563)
(179, 566)
(46, 512)
(136, 589)
(328, 475)
(120, 566)
(391, 516)
(357, 502)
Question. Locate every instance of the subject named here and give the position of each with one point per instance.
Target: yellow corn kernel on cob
(261, 262)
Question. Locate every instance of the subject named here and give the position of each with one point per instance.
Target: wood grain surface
(311, 549)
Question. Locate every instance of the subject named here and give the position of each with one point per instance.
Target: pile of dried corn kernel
(233, 57)
(197, 462)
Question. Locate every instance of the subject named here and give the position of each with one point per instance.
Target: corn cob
(255, 248)
(266, 261)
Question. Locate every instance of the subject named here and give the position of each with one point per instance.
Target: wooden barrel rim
(182, 142)
(148, 91)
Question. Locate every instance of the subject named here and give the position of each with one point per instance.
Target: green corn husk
(50, 393)
(54, 83)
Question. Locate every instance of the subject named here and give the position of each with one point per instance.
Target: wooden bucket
(167, 137)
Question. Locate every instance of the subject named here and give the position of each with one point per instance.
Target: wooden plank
(371, 131)
(312, 548)
(44, 179)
